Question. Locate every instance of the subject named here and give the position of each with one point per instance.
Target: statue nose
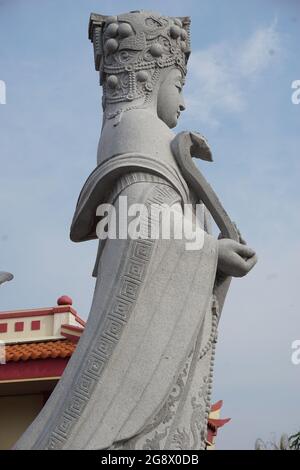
(181, 107)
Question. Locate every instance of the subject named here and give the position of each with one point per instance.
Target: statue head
(141, 58)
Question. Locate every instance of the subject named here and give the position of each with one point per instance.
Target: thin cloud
(218, 74)
(259, 52)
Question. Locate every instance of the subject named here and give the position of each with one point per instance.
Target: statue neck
(138, 131)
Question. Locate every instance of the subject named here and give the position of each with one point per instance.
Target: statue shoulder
(98, 187)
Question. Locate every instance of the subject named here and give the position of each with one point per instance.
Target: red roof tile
(49, 349)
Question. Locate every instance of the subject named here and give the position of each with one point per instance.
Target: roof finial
(64, 300)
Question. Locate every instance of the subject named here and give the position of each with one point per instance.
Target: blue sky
(244, 60)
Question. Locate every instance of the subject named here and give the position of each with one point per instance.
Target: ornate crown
(130, 49)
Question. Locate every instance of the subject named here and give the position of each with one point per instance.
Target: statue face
(170, 100)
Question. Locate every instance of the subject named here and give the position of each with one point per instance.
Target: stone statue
(141, 376)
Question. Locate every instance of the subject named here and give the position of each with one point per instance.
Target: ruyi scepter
(185, 146)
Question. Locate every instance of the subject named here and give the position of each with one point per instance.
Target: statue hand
(235, 259)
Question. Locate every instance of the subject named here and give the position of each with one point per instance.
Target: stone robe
(141, 376)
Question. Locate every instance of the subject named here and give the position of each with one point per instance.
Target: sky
(245, 56)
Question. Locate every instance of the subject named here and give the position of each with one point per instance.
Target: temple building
(35, 347)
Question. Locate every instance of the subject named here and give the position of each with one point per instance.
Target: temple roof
(41, 324)
(43, 350)
(37, 343)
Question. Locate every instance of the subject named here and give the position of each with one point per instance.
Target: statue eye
(178, 86)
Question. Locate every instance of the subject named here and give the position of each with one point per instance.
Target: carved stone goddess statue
(141, 376)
